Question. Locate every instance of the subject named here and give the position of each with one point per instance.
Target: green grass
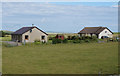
(6, 38)
(0, 57)
(86, 58)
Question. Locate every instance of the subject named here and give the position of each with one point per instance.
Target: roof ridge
(98, 29)
(29, 26)
(94, 27)
(101, 28)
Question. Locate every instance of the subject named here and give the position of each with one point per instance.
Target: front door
(26, 38)
(43, 38)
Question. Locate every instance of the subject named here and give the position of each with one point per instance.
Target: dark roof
(93, 30)
(25, 29)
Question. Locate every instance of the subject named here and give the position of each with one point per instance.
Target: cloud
(11, 9)
(60, 0)
(58, 17)
(43, 20)
(115, 5)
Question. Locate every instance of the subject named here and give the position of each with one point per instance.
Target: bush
(88, 37)
(8, 45)
(55, 41)
(65, 41)
(113, 39)
(82, 41)
(87, 40)
(69, 38)
(73, 38)
(94, 38)
(2, 34)
(80, 38)
(37, 41)
(50, 38)
(76, 41)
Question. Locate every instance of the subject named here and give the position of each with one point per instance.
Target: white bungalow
(100, 32)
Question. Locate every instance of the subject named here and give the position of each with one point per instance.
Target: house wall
(108, 34)
(34, 35)
(86, 35)
(60, 37)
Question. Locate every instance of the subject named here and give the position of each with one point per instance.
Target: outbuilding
(60, 36)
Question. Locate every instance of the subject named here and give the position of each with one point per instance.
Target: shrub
(80, 38)
(59, 40)
(37, 40)
(73, 38)
(94, 38)
(69, 38)
(82, 41)
(2, 34)
(8, 45)
(88, 37)
(37, 43)
(55, 41)
(50, 38)
(65, 41)
(87, 40)
(76, 41)
(83, 38)
(115, 40)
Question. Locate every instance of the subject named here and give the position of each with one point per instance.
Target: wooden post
(91, 34)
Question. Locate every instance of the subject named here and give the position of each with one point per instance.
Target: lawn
(6, 38)
(86, 58)
(0, 58)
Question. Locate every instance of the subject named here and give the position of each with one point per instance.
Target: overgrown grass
(86, 58)
(6, 38)
(0, 56)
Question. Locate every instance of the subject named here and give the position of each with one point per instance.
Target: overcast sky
(67, 17)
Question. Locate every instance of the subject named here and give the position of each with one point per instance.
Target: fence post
(0, 74)
(24, 42)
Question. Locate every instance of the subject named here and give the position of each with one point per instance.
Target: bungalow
(100, 32)
(29, 34)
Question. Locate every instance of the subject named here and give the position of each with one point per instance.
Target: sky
(65, 17)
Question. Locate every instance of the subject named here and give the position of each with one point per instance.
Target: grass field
(86, 58)
(6, 38)
(0, 58)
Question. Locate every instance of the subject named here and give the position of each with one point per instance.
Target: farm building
(29, 34)
(60, 36)
(100, 32)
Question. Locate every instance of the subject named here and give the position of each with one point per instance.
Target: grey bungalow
(29, 34)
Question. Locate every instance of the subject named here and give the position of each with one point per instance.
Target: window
(105, 31)
(43, 37)
(26, 37)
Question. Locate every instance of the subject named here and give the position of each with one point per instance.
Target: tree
(2, 34)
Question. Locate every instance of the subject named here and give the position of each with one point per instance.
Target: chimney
(32, 25)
